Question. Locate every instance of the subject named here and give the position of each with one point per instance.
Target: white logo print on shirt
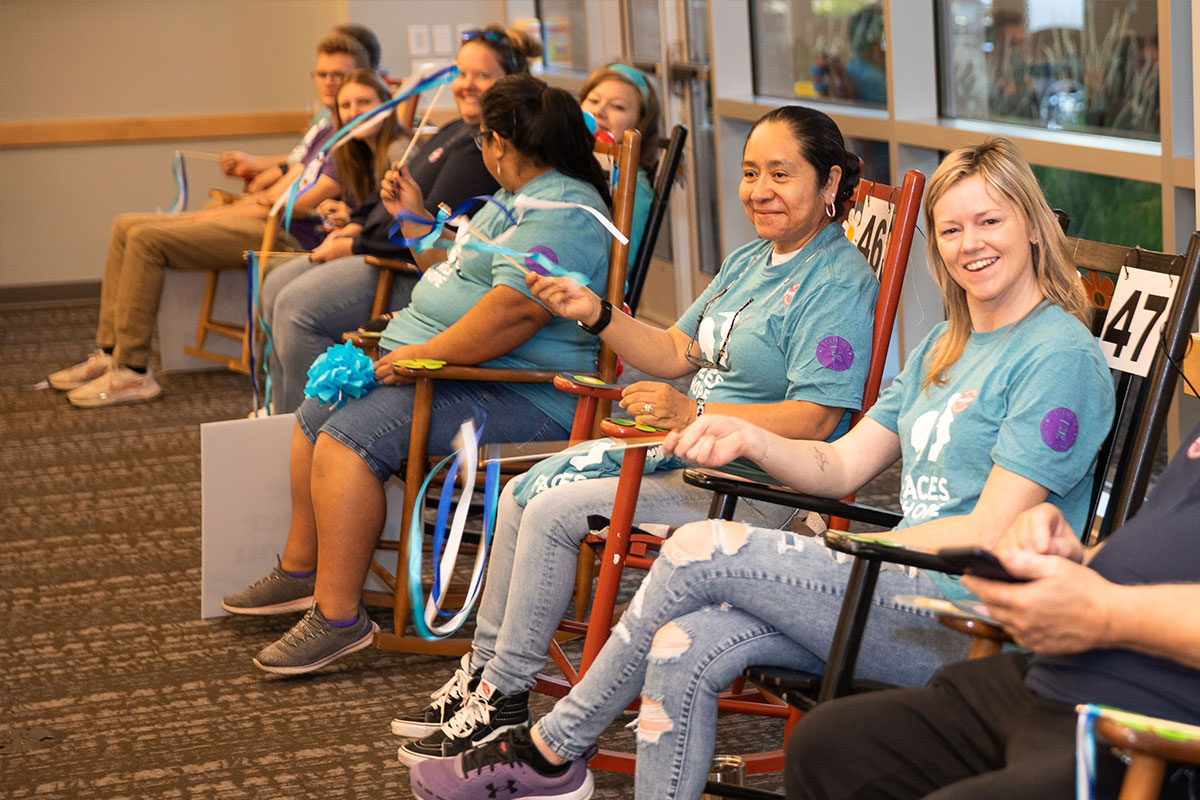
(923, 496)
(708, 342)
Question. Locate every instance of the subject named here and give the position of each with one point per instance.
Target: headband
(634, 76)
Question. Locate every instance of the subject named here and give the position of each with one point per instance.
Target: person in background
(620, 97)
(309, 302)
(259, 172)
(143, 246)
(474, 308)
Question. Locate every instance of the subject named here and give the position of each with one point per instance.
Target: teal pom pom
(341, 372)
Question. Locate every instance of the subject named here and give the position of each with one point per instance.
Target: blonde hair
(1006, 172)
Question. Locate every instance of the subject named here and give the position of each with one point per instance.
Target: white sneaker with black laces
(486, 713)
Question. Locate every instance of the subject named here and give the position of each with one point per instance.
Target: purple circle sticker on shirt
(1059, 429)
(835, 353)
(533, 264)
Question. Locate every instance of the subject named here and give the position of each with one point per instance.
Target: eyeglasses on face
(480, 136)
(719, 362)
(328, 76)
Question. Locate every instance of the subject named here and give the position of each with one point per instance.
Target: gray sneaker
(312, 643)
(278, 593)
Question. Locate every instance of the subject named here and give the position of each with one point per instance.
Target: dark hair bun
(851, 174)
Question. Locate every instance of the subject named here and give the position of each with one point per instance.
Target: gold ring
(647, 408)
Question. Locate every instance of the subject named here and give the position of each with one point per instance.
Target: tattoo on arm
(822, 459)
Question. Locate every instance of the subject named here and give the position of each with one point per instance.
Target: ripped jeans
(722, 597)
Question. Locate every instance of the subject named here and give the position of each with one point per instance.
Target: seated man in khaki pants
(142, 246)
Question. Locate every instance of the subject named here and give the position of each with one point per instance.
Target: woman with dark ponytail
(781, 337)
(472, 308)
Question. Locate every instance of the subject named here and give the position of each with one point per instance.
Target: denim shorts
(376, 426)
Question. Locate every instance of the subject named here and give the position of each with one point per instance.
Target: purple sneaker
(501, 768)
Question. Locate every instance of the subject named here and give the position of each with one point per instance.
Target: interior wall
(63, 60)
(392, 20)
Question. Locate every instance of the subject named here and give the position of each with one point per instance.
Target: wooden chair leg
(615, 551)
(585, 571)
(1143, 778)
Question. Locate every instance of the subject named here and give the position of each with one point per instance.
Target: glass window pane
(644, 29)
(831, 49)
(1135, 219)
(1081, 65)
(563, 31)
(877, 164)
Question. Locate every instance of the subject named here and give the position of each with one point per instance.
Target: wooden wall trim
(148, 129)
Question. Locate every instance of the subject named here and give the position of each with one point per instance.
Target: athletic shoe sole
(584, 792)
(414, 730)
(299, 604)
(98, 402)
(410, 759)
(353, 647)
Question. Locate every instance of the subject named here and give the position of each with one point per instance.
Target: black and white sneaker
(486, 713)
(444, 703)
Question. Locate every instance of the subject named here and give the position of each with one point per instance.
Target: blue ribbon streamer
(416, 532)
(541, 262)
(251, 315)
(1085, 752)
(438, 223)
(179, 174)
(435, 80)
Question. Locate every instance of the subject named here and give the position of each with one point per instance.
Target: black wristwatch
(602, 322)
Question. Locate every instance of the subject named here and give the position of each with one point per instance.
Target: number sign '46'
(867, 226)
(1141, 301)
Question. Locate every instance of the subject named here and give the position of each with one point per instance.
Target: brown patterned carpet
(111, 685)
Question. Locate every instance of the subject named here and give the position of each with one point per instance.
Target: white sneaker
(118, 385)
(77, 375)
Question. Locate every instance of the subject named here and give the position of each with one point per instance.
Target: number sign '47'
(1141, 301)
(868, 226)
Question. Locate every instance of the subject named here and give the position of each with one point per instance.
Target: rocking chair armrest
(570, 382)
(725, 483)
(978, 628)
(453, 372)
(391, 263)
(1148, 738)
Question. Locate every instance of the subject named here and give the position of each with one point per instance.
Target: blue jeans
(719, 598)
(537, 547)
(308, 307)
(376, 425)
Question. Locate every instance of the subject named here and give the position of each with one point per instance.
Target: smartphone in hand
(976, 561)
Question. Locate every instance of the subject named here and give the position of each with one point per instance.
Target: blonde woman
(1001, 407)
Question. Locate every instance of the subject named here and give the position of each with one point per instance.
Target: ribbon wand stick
(424, 118)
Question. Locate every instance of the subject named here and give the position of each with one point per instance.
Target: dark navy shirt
(1161, 544)
(448, 168)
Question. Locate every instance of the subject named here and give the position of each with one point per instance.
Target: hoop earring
(831, 210)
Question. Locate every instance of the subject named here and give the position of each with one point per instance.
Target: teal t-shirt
(805, 335)
(571, 237)
(643, 198)
(1034, 397)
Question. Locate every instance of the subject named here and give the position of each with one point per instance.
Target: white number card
(1141, 301)
(868, 227)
